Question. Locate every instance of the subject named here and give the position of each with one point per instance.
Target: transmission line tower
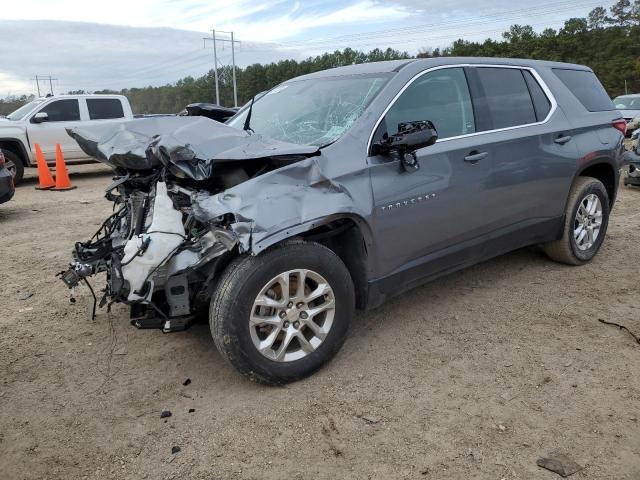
(227, 37)
(44, 78)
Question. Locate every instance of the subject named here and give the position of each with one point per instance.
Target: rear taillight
(620, 125)
(1, 158)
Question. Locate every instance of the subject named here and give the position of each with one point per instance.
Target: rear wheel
(586, 221)
(280, 316)
(14, 165)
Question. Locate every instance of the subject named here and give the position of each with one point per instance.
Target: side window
(587, 88)
(441, 96)
(62, 110)
(507, 97)
(104, 108)
(541, 102)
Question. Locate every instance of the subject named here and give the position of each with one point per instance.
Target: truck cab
(45, 120)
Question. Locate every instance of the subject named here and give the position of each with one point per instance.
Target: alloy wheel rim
(588, 222)
(292, 315)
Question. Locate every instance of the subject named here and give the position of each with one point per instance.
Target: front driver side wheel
(586, 221)
(279, 316)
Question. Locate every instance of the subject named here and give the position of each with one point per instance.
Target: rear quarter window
(587, 89)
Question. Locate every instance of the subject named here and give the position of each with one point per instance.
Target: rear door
(62, 114)
(531, 152)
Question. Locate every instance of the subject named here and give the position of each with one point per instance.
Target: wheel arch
(16, 146)
(601, 169)
(348, 235)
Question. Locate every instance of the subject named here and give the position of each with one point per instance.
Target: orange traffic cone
(45, 180)
(62, 177)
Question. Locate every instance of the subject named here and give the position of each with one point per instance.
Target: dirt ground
(474, 376)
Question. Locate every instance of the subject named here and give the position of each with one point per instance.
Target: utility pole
(215, 66)
(38, 85)
(233, 60)
(44, 77)
(215, 38)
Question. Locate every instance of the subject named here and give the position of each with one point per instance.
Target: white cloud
(297, 21)
(279, 18)
(89, 56)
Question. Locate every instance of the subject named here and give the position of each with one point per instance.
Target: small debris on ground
(560, 464)
(191, 410)
(27, 309)
(186, 382)
(165, 414)
(175, 450)
(502, 428)
(622, 327)
(371, 419)
(26, 296)
(120, 351)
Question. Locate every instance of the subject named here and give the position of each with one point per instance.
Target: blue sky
(122, 43)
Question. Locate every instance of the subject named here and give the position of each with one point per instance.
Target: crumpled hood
(189, 147)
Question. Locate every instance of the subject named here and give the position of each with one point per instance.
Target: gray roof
(396, 65)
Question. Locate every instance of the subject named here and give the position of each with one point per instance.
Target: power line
(395, 36)
(505, 16)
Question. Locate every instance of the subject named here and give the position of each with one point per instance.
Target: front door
(62, 114)
(421, 216)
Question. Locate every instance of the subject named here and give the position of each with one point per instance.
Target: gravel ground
(474, 376)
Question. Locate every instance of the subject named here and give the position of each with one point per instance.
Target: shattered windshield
(311, 112)
(22, 112)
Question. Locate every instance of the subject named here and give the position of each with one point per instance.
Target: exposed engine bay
(173, 228)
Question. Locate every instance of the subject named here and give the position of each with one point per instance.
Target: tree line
(608, 41)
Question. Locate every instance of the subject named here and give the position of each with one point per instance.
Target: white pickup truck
(45, 120)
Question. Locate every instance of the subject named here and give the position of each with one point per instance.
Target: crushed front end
(155, 255)
(160, 255)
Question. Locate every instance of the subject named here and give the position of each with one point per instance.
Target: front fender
(287, 202)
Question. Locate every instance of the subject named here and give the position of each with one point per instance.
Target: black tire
(238, 287)
(14, 165)
(565, 250)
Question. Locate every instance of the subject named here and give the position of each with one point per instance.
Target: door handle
(562, 140)
(475, 157)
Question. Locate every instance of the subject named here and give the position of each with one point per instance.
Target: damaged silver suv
(342, 188)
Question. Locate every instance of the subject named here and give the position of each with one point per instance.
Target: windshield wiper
(247, 121)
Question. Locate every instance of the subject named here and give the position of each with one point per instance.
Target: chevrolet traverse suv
(339, 189)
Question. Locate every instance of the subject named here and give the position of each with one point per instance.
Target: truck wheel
(585, 225)
(14, 165)
(280, 316)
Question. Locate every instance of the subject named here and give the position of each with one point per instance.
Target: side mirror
(40, 117)
(411, 136)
